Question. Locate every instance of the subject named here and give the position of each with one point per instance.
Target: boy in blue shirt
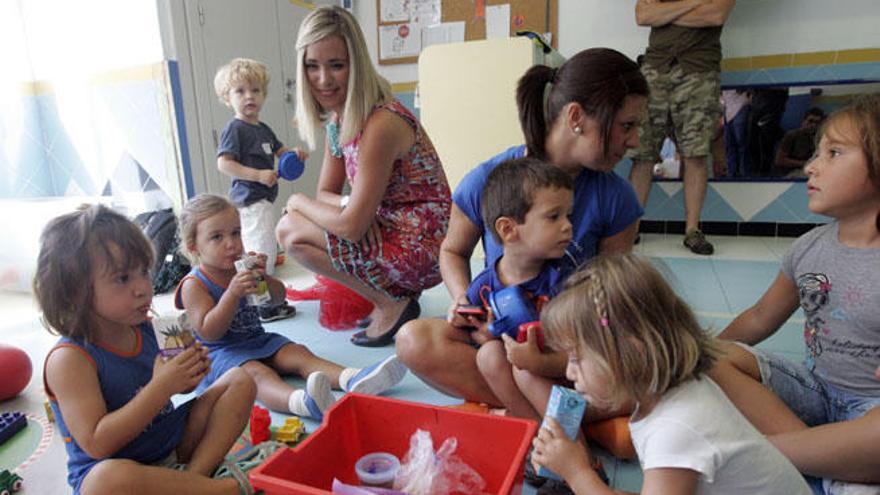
(247, 153)
(526, 204)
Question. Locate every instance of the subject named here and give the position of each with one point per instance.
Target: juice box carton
(173, 333)
(567, 407)
(262, 296)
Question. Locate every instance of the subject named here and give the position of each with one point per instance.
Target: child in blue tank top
(214, 296)
(108, 387)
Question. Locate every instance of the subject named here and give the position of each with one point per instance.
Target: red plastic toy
(260, 422)
(523, 333)
(15, 368)
(341, 307)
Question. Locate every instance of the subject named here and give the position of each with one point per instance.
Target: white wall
(766, 27)
(755, 27)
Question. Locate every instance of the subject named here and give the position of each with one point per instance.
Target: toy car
(9, 482)
(290, 431)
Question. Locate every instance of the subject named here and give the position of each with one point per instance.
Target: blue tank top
(122, 376)
(245, 324)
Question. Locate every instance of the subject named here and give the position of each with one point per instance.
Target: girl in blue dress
(214, 296)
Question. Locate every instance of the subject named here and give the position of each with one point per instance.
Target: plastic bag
(425, 472)
(340, 307)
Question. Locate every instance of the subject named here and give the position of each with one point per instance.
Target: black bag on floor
(170, 266)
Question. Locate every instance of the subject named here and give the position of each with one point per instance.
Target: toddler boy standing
(247, 153)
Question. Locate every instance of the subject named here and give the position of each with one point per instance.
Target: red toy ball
(15, 368)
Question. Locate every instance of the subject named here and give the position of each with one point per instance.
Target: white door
(263, 30)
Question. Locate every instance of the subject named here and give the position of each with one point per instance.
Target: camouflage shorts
(685, 106)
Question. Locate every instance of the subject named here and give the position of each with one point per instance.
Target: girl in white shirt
(631, 339)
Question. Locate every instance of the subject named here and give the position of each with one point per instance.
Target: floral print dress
(414, 217)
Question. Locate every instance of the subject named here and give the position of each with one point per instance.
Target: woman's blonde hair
(863, 118)
(619, 313)
(195, 210)
(238, 71)
(366, 88)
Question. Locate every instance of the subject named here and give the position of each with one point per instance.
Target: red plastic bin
(359, 424)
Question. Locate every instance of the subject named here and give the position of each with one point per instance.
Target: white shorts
(258, 231)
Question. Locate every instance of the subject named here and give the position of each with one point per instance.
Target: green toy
(9, 482)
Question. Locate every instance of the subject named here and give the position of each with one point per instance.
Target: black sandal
(410, 312)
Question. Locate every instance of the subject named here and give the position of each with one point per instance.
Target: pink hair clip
(604, 322)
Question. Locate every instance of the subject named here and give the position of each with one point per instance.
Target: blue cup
(290, 167)
(511, 308)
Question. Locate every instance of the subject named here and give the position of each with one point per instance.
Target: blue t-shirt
(604, 205)
(254, 146)
(540, 289)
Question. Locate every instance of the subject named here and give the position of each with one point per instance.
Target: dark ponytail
(530, 103)
(598, 79)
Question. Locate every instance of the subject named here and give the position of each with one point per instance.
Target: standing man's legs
(695, 109)
(652, 131)
(696, 177)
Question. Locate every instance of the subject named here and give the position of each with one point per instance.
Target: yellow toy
(290, 431)
(49, 414)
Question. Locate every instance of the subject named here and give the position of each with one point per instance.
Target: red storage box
(359, 424)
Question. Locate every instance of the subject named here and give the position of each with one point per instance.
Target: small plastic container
(377, 469)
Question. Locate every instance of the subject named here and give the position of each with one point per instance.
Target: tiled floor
(717, 287)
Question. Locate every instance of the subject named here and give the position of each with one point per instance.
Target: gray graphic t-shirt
(839, 290)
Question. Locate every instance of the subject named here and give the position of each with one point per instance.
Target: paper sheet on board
(497, 21)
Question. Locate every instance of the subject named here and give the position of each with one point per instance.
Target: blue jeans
(736, 144)
(811, 398)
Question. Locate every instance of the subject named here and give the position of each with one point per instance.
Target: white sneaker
(318, 397)
(846, 488)
(378, 377)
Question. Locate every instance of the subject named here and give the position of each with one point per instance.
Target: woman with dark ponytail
(581, 118)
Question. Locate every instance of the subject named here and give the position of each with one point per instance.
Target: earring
(577, 129)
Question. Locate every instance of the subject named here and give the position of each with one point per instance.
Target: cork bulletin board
(540, 16)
